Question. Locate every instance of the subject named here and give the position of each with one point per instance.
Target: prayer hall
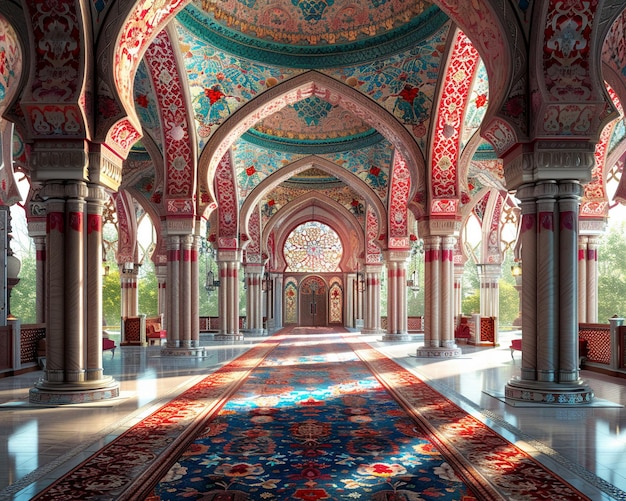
(312, 250)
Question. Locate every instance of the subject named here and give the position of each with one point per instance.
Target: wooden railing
(18, 352)
(606, 345)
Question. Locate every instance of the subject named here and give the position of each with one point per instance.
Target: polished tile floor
(584, 445)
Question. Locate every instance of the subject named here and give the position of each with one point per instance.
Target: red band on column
(528, 222)
(40, 255)
(94, 223)
(76, 221)
(546, 221)
(55, 221)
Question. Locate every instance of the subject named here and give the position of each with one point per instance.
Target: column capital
(549, 159)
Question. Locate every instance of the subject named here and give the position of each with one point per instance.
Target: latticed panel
(415, 323)
(487, 330)
(598, 341)
(29, 337)
(132, 330)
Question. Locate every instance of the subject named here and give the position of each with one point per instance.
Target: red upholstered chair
(108, 344)
(155, 335)
(516, 345)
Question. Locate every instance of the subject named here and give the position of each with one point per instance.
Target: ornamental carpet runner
(311, 414)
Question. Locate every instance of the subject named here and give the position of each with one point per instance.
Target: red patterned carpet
(311, 414)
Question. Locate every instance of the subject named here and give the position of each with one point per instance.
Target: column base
(255, 332)
(405, 336)
(228, 337)
(576, 392)
(370, 331)
(187, 351)
(438, 352)
(49, 393)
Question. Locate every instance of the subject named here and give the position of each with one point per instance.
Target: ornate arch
(178, 144)
(446, 138)
(311, 83)
(327, 211)
(499, 39)
(272, 181)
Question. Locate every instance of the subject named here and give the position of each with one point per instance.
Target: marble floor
(586, 445)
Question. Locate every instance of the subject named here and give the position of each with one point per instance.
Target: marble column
(228, 263)
(173, 291)
(372, 300)
(550, 242)
(73, 365)
(277, 292)
(95, 207)
(254, 299)
(129, 274)
(439, 298)
(397, 321)
(588, 268)
(40, 272)
(182, 293)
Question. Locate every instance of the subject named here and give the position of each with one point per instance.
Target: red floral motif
(481, 101)
(214, 94)
(142, 100)
(375, 171)
(250, 170)
(271, 202)
(409, 93)
(311, 494)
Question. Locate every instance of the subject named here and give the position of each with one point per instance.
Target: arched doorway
(313, 302)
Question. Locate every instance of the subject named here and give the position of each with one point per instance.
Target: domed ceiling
(391, 52)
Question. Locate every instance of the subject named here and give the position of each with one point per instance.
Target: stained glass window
(291, 301)
(313, 247)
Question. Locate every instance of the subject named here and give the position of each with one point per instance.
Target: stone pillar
(254, 298)
(228, 262)
(582, 278)
(185, 307)
(40, 272)
(372, 300)
(95, 207)
(277, 292)
(182, 297)
(350, 300)
(195, 292)
(549, 289)
(397, 322)
(458, 292)
(129, 274)
(447, 293)
(161, 275)
(591, 286)
(173, 291)
(489, 276)
(439, 298)
(73, 368)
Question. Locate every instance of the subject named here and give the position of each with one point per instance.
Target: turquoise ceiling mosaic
(312, 34)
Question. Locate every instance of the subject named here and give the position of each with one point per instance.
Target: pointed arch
(311, 83)
(446, 138)
(179, 144)
(228, 227)
(327, 211)
(276, 178)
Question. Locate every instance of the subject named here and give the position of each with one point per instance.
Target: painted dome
(312, 33)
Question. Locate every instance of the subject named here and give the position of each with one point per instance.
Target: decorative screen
(313, 247)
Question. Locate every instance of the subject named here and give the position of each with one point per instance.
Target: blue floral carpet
(313, 421)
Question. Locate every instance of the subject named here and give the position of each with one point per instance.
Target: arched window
(313, 247)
